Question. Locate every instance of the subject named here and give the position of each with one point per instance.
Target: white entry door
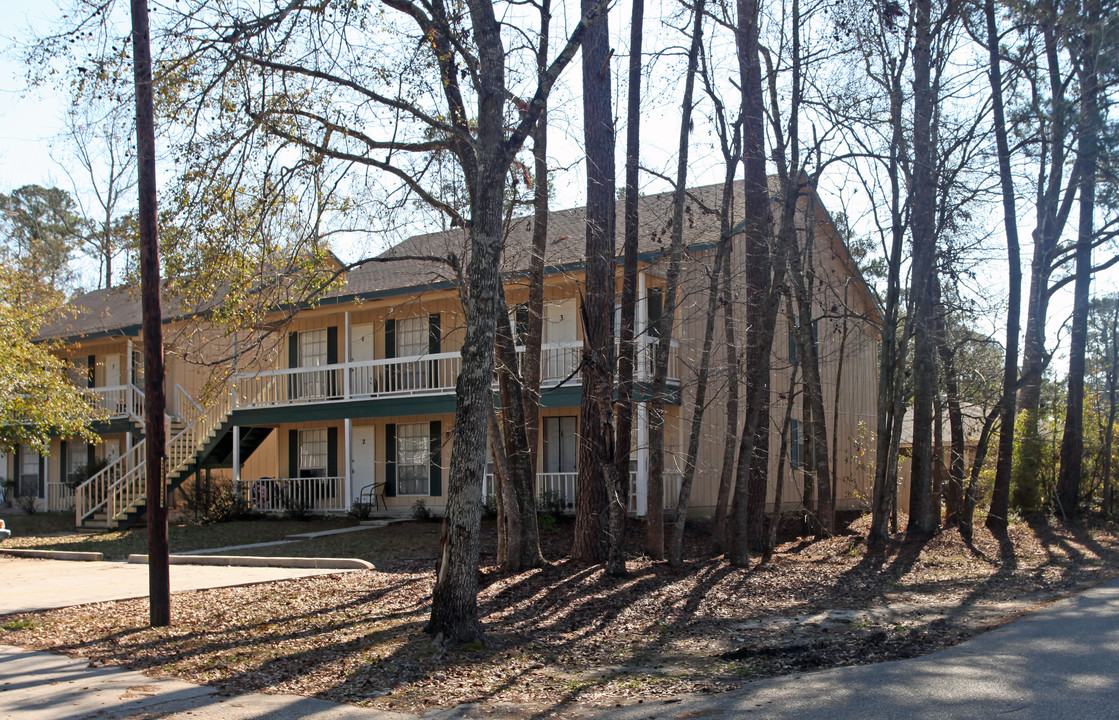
(112, 370)
(361, 463)
(361, 350)
(560, 321)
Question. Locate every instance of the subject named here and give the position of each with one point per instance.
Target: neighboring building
(353, 397)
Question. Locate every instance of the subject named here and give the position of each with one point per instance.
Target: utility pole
(159, 580)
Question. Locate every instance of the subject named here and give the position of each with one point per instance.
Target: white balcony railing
(294, 495)
(60, 497)
(116, 401)
(434, 374)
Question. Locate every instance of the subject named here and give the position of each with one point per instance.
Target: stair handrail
(105, 488)
(136, 400)
(180, 392)
(119, 486)
(92, 494)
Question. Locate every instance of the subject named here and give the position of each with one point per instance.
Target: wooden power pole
(155, 403)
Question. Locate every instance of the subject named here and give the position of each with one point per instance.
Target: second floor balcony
(421, 375)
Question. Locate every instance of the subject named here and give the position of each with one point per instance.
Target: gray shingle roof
(117, 311)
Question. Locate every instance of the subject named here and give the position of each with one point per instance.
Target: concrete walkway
(45, 584)
(1061, 662)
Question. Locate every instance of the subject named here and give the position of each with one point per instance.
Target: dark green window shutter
(293, 350)
(62, 461)
(293, 362)
(520, 325)
(390, 338)
(293, 453)
(435, 474)
(90, 455)
(390, 460)
(433, 334)
(91, 371)
(332, 452)
(332, 345)
(654, 310)
(796, 459)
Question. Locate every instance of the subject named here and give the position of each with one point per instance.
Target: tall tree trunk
(524, 552)
(924, 514)
(761, 306)
(1000, 494)
(1087, 151)
(535, 336)
(954, 491)
(1052, 211)
(775, 521)
(655, 519)
(596, 422)
(508, 511)
(730, 434)
(892, 350)
(626, 346)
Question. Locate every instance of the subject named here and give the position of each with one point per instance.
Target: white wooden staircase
(116, 497)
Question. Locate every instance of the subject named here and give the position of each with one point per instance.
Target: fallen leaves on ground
(568, 634)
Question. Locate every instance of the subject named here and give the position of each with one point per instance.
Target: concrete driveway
(34, 584)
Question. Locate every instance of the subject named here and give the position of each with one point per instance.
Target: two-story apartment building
(352, 398)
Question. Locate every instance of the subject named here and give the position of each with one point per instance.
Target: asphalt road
(1061, 662)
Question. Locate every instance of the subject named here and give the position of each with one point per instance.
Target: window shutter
(91, 371)
(793, 360)
(435, 473)
(390, 338)
(654, 310)
(332, 452)
(390, 460)
(796, 461)
(521, 323)
(433, 334)
(332, 345)
(62, 461)
(293, 362)
(90, 455)
(293, 453)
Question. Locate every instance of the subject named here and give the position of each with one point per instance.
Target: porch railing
(294, 495)
(433, 374)
(116, 401)
(60, 496)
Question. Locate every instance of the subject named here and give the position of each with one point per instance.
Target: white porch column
(236, 456)
(349, 442)
(128, 368)
(346, 384)
(642, 489)
(640, 325)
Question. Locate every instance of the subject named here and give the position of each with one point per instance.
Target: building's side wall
(848, 366)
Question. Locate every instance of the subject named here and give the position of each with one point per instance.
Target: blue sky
(27, 120)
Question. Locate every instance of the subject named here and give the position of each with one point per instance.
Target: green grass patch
(24, 624)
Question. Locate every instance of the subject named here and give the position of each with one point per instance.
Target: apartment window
(412, 336)
(313, 455)
(561, 444)
(30, 473)
(413, 459)
(796, 446)
(312, 348)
